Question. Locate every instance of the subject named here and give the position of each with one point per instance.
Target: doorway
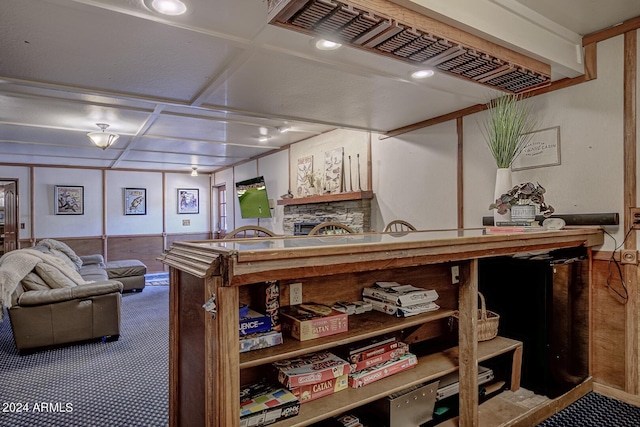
(8, 215)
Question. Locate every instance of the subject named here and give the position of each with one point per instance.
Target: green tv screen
(252, 195)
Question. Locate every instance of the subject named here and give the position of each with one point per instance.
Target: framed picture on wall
(188, 201)
(135, 201)
(69, 200)
(542, 150)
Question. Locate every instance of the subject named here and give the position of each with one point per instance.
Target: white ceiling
(200, 89)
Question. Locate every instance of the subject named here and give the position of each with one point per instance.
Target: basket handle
(483, 307)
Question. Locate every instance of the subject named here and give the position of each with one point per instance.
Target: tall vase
(503, 184)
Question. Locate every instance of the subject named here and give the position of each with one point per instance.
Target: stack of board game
(514, 227)
(265, 403)
(400, 300)
(314, 375)
(310, 320)
(256, 330)
(376, 359)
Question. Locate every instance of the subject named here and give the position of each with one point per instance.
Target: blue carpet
(122, 383)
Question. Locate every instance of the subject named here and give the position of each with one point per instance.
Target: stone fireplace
(354, 212)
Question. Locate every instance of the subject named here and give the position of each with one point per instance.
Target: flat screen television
(252, 195)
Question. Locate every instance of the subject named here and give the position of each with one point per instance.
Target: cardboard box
(310, 392)
(308, 321)
(401, 350)
(370, 348)
(263, 403)
(383, 370)
(311, 369)
(260, 340)
(269, 303)
(254, 322)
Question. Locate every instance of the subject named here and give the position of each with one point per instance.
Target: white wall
(354, 143)
(120, 224)
(415, 178)
(196, 222)
(590, 176)
(415, 174)
(47, 223)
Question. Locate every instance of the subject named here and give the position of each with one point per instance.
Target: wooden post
(468, 343)
(630, 200)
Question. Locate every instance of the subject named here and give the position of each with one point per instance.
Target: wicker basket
(487, 321)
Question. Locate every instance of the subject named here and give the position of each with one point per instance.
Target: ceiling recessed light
(264, 138)
(167, 7)
(422, 74)
(324, 44)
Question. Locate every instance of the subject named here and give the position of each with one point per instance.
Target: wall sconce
(194, 171)
(103, 139)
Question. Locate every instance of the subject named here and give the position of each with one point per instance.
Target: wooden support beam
(460, 172)
(468, 343)
(630, 200)
(616, 30)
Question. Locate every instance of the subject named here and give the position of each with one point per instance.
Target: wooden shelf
(328, 198)
(361, 326)
(429, 368)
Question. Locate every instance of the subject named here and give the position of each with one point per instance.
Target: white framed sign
(543, 149)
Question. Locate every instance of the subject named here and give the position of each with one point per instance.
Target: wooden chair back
(248, 231)
(330, 227)
(399, 225)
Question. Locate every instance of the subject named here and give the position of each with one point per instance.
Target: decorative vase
(503, 184)
(523, 213)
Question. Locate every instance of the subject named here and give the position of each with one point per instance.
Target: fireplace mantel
(328, 198)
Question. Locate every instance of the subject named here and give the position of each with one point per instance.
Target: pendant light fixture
(103, 139)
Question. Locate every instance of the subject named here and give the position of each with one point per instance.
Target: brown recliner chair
(42, 318)
(59, 298)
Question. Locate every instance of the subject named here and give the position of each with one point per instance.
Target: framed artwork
(69, 200)
(135, 201)
(304, 176)
(543, 149)
(333, 164)
(188, 201)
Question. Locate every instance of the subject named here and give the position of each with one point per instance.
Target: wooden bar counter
(207, 370)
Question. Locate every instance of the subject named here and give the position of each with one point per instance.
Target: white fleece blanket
(15, 265)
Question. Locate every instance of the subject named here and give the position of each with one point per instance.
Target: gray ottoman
(128, 271)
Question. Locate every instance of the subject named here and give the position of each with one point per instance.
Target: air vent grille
(386, 36)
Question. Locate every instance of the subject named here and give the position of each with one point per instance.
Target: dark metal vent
(373, 31)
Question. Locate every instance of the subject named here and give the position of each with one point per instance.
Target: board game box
(383, 370)
(308, 321)
(401, 349)
(307, 393)
(260, 340)
(369, 348)
(310, 369)
(264, 403)
(254, 322)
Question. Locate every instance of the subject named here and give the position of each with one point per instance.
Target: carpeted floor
(122, 383)
(596, 410)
